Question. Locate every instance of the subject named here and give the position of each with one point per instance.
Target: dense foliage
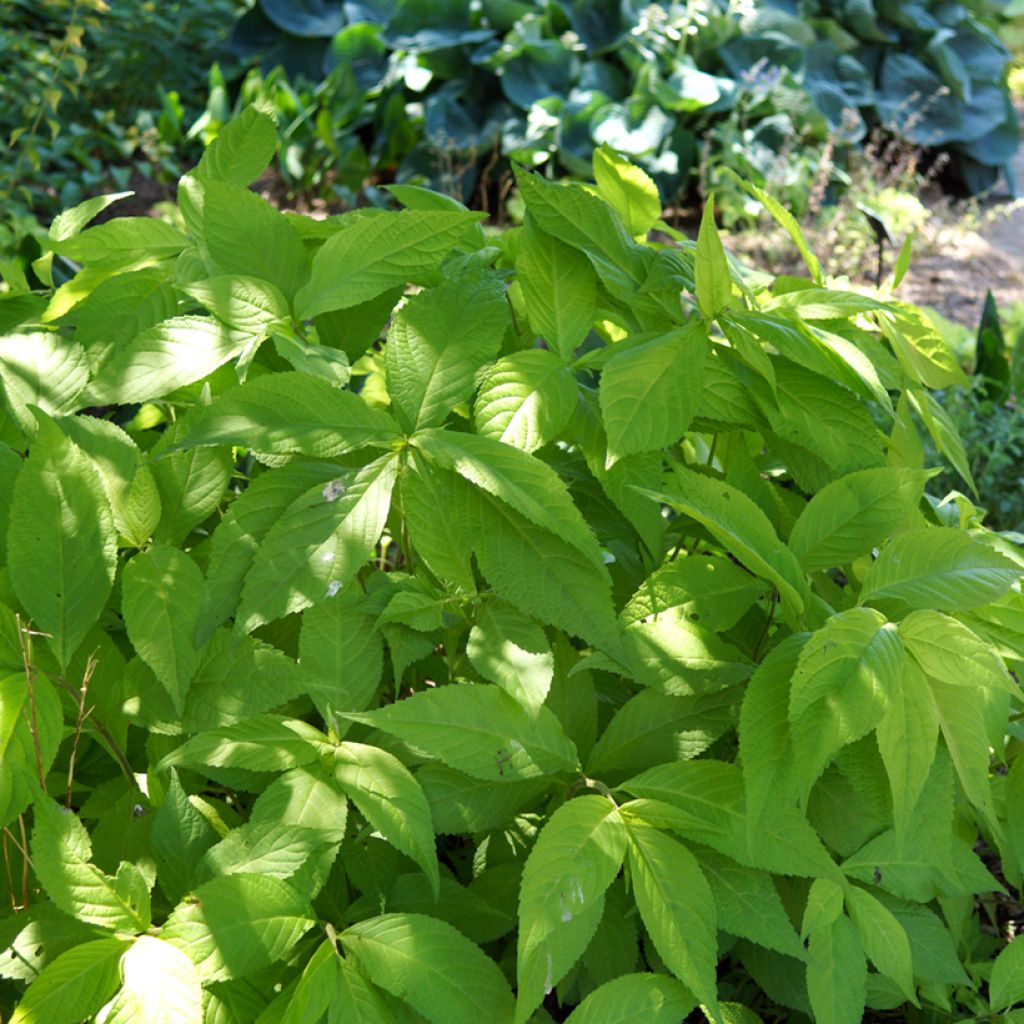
(448, 92)
(570, 624)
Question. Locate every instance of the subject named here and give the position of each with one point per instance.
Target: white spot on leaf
(333, 490)
(333, 587)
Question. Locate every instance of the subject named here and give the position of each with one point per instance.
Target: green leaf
(307, 796)
(560, 289)
(158, 602)
(943, 432)
(61, 858)
(628, 189)
(824, 906)
(318, 546)
(391, 800)
(1006, 986)
(238, 924)
(247, 304)
(477, 729)
(122, 243)
(42, 369)
(837, 974)
(939, 568)
(635, 998)
(161, 985)
(525, 399)
(374, 254)
(677, 908)
(356, 1000)
(264, 744)
(511, 650)
(883, 938)
(650, 392)
(847, 675)
(431, 966)
(460, 804)
(742, 529)
(852, 515)
(714, 280)
(73, 986)
(180, 837)
(316, 987)
(823, 303)
(273, 850)
(61, 543)
(71, 221)
(241, 151)
(920, 348)
(438, 341)
(576, 857)
(164, 357)
(291, 414)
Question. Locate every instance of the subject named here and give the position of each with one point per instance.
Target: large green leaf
(61, 543)
(628, 189)
(635, 998)
(180, 836)
(41, 369)
(432, 966)
(437, 343)
(883, 938)
(1006, 986)
(478, 729)
(161, 985)
(238, 924)
(267, 743)
(241, 151)
(714, 281)
(837, 974)
(316, 988)
(122, 242)
(576, 857)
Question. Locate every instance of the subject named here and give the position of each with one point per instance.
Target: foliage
(570, 623)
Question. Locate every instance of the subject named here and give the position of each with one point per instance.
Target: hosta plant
(403, 623)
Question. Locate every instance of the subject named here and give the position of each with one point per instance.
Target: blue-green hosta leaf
(318, 546)
(238, 924)
(291, 414)
(837, 974)
(167, 356)
(1006, 986)
(245, 303)
(847, 675)
(430, 965)
(560, 289)
(161, 985)
(374, 254)
(61, 859)
(650, 392)
(477, 729)
(526, 399)
(628, 189)
(241, 151)
(576, 857)
(73, 986)
(438, 341)
(714, 280)
(631, 998)
(122, 243)
(391, 800)
(61, 542)
(939, 568)
(677, 907)
(852, 515)
(511, 650)
(43, 369)
(158, 602)
(883, 938)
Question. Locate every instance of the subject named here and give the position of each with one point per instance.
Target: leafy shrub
(573, 622)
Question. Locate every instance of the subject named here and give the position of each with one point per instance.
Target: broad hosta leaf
(1006, 985)
(390, 799)
(61, 544)
(241, 151)
(650, 392)
(714, 281)
(852, 515)
(158, 602)
(560, 288)
(160, 985)
(939, 568)
(374, 254)
(430, 965)
(291, 413)
(837, 974)
(437, 343)
(576, 857)
(315, 548)
(61, 859)
(478, 729)
(526, 399)
(651, 998)
(677, 907)
(73, 986)
(238, 925)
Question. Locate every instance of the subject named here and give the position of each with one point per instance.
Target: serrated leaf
(264, 744)
(920, 348)
(575, 859)
(387, 795)
(180, 836)
(42, 369)
(161, 986)
(824, 906)
(122, 242)
(374, 254)
(883, 938)
(635, 998)
(245, 303)
(438, 341)
(316, 988)
(273, 850)
(852, 515)
(460, 803)
(158, 602)
(940, 568)
(477, 729)
(714, 280)
(526, 399)
(430, 965)
(628, 189)
(241, 151)
(650, 393)
(943, 432)
(837, 974)
(238, 924)
(1006, 986)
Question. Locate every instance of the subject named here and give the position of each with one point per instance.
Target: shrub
(583, 631)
